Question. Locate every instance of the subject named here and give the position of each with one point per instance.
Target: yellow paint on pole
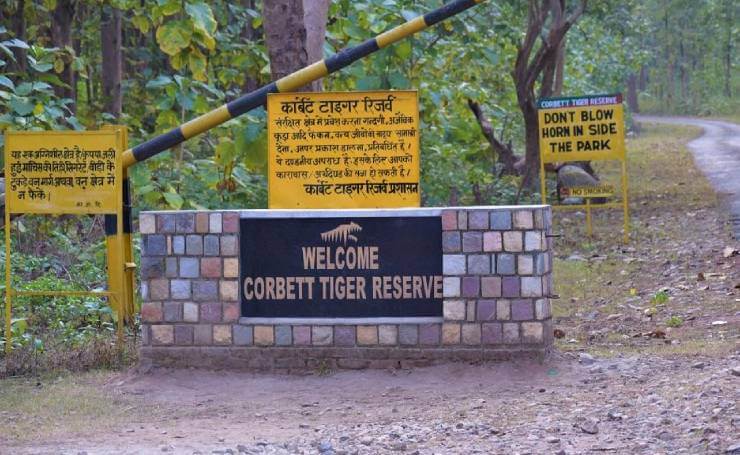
(408, 28)
(8, 299)
(205, 122)
(343, 150)
(62, 172)
(585, 128)
(296, 80)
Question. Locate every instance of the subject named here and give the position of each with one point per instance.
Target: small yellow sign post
(67, 172)
(586, 128)
(343, 150)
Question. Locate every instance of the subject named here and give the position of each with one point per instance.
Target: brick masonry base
(497, 282)
(299, 360)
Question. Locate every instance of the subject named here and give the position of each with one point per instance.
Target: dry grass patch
(47, 408)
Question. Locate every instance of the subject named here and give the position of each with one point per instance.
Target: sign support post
(8, 298)
(625, 203)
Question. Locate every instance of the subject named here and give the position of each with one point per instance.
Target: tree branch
(504, 154)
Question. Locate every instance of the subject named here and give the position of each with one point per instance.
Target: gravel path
(717, 154)
(573, 404)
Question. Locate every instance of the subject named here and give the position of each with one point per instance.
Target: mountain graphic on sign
(342, 233)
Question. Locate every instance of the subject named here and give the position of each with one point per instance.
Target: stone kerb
(496, 261)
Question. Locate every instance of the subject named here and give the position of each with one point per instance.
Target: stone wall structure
(497, 267)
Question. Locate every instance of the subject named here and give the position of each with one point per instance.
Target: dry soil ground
(648, 362)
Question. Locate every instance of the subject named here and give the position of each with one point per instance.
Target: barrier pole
(291, 82)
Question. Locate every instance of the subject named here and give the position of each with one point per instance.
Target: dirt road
(717, 154)
(622, 405)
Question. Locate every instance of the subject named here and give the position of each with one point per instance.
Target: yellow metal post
(625, 202)
(128, 259)
(115, 272)
(543, 182)
(8, 310)
(122, 275)
(589, 228)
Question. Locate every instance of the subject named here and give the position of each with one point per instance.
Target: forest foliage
(183, 58)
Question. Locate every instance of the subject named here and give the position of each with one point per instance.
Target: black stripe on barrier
(111, 225)
(160, 143)
(450, 9)
(250, 101)
(127, 224)
(349, 55)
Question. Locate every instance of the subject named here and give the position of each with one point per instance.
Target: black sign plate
(341, 267)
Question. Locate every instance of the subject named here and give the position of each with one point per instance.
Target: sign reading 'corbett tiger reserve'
(341, 267)
(581, 128)
(343, 150)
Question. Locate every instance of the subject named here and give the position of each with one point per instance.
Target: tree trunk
(315, 14)
(19, 28)
(643, 80)
(557, 89)
(668, 93)
(502, 153)
(682, 73)
(249, 34)
(632, 93)
(61, 37)
(530, 65)
(532, 144)
(729, 8)
(110, 38)
(294, 34)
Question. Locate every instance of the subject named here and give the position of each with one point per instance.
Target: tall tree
(294, 34)
(112, 70)
(729, 7)
(62, 21)
(249, 33)
(547, 23)
(18, 19)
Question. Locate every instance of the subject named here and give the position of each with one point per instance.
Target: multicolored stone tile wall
(497, 266)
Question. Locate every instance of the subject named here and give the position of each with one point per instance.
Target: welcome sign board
(341, 267)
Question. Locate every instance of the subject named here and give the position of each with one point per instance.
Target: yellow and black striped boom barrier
(291, 82)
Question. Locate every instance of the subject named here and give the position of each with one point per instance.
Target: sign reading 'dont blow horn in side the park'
(581, 128)
(584, 128)
(343, 150)
(341, 267)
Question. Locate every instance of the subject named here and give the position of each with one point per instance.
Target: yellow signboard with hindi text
(63, 172)
(343, 150)
(69, 173)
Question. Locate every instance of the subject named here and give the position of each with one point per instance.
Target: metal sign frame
(620, 154)
(120, 284)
